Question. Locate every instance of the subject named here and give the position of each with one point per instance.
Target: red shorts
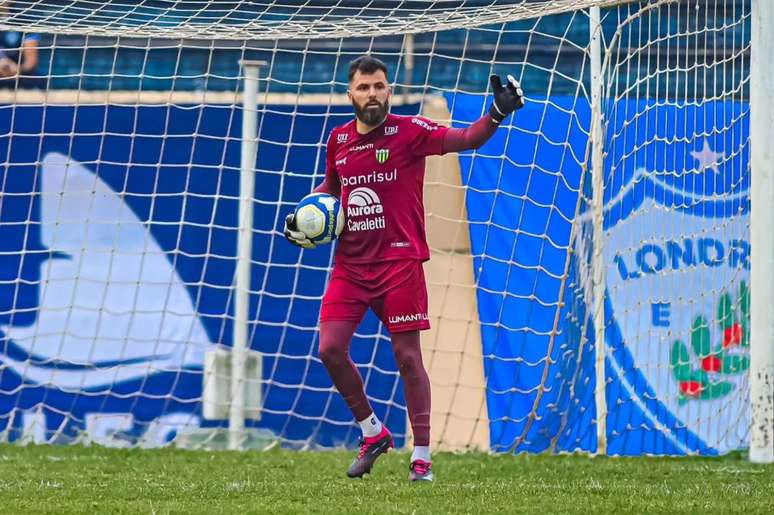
(394, 290)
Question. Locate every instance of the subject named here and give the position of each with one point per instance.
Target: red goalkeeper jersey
(379, 178)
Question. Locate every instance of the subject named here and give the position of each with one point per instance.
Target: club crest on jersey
(341, 138)
(390, 131)
(382, 154)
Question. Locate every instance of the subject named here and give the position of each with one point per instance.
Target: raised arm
(506, 100)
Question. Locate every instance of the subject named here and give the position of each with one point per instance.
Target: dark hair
(366, 64)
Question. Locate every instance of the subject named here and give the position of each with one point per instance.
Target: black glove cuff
(495, 113)
(290, 221)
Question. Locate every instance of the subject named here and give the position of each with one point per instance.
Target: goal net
(589, 280)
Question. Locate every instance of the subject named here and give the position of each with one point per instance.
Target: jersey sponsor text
(370, 178)
(365, 211)
(423, 124)
(358, 148)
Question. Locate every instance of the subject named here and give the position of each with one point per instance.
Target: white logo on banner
(678, 284)
(111, 305)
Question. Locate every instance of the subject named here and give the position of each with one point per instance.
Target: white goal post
(761, 220)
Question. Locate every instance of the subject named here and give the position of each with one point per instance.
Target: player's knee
(332, 354)
(408, 360)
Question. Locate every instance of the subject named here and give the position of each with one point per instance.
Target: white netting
(269, 20)
(677, 239)
(120, 196)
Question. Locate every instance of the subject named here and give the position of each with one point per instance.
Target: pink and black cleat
(420, 470)
(370, 449)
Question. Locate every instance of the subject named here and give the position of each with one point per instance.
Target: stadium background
(178, 167)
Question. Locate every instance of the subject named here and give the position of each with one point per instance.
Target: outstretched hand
(295, 236)
(507, 98)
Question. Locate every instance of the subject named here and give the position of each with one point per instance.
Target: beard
(372, 113)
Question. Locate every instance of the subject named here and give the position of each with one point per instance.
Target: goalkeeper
(376, 165)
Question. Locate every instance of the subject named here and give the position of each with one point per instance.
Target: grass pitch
(52, 479)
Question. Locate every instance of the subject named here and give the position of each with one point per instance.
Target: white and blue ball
(320, 217)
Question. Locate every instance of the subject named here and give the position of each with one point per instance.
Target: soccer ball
(320, 217)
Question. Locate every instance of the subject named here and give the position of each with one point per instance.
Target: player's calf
(370, 449)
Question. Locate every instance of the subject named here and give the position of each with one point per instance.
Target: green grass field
(52, 479)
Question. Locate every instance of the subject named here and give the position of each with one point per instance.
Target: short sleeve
(332, 181)
(32, 37)
(426, 137)
(330, 154)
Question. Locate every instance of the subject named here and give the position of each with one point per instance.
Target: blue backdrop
(185, 189)
(540, 383)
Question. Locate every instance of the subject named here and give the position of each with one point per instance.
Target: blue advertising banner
(677, 264)
(117, 258)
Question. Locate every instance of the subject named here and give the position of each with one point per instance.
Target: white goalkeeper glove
(506, 99)
(295, 236)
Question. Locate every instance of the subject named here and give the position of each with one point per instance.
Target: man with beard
(376, 165)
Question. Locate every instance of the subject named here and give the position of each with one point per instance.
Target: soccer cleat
(420, 470)
(370, 449)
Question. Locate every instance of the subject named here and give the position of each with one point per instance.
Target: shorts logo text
(404, 319)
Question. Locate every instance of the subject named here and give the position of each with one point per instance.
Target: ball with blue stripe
(320, 217)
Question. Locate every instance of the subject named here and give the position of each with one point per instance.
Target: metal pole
(240, 345)
(408, 52)
(598, 205)
(762, 233)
